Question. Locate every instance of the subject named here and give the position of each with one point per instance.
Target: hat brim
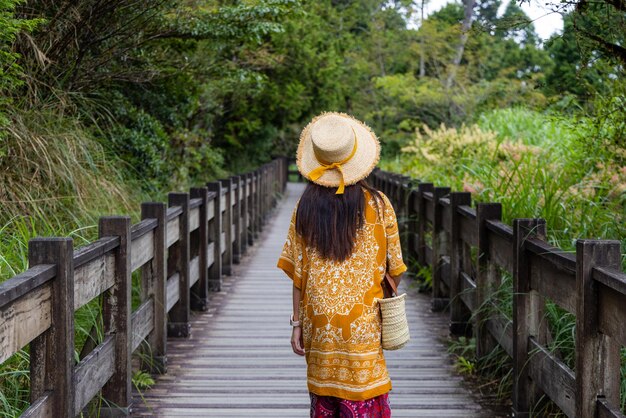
(356, 169)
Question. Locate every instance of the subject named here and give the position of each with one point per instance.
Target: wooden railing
(181, 251)
(469, 250)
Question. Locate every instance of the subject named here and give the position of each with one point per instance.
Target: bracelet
(293, 323)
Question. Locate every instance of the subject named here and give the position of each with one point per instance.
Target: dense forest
(107, 103)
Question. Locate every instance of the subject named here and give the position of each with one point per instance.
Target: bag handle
(389, 286)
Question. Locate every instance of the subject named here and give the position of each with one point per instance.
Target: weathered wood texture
(174, 248)
(238, 361)
(481, 250)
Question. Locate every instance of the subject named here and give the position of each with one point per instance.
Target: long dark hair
(329, 222)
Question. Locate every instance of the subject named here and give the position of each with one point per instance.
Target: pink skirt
(330, 407)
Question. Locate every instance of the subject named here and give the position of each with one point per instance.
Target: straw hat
(336, 149)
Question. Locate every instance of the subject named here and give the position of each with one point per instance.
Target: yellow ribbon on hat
(316, 173)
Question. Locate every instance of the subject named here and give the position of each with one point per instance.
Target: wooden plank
(556, 256)
(501, 329)
(194, 270)
(173, 291)
(142, 323)
(500, 250)
(429, 207)
(41, 408)
(172, 212)
(211, 209)
(96, 249)
(142, 251)
(24, 319)
(140, 229)
(173, 233)
(210, 254)
(23, 283)
(93, 279)
(606, 410)
(613, 278)
(552, 281)
(93, 372)
(467, 226)
(553, 377)
(468, 291)
(194, 218)
(195, 202)
(612, 313)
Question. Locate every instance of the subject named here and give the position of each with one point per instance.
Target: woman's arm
(296, 335)
(296, 303)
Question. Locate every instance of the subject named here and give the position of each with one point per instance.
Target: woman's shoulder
(380, 196)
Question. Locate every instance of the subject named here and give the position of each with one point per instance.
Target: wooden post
(117, 320)
(421, 222)
(597, 356)
(52, 353)
(215, 234)
(440, 299)
(255, 204)
(236, 217)
(199, 297)
(178, 324)
(250, 208)
(272, 184)
(260, 197)
(413, 225)
(243, 213)
(285, 173)
(154, 280)
(227, 222)
(459, 314)
(264, 194)
(487, 278)
(528, 312)
(404, 189)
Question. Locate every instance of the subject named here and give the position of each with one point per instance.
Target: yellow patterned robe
(339, 316)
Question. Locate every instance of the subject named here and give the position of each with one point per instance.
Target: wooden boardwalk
(238, 361)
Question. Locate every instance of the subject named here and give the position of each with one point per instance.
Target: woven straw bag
(395, 327)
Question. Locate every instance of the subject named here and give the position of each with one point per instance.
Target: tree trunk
(422, 68)
(465, 28)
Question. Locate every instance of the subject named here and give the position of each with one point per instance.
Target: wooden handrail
(589, 284)
(180, 251)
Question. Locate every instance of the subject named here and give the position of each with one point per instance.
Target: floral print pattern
(338, 311)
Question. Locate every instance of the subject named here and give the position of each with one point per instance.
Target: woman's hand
(296, 341)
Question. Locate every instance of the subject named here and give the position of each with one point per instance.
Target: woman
(342, 238)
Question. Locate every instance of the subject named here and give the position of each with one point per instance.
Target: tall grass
(537, 166)
(54, 181)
